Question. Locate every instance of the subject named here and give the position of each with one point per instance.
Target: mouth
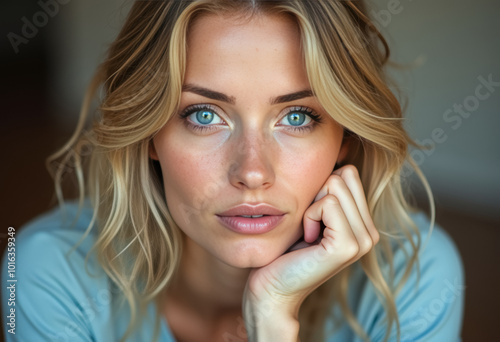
(251, 219)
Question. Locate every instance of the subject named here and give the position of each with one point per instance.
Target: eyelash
(193, 109)
(315, 118)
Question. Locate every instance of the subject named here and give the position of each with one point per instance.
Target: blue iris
(204, 117)
(296, 119)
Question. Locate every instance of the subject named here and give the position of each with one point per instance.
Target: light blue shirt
(57, 300)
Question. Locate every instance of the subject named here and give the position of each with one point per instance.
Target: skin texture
(249, 160)
(251, 154)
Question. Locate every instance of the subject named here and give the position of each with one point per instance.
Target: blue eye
(297, 119)
(204, 117)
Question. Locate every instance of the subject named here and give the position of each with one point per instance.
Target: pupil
(296, 119)
(204, 117)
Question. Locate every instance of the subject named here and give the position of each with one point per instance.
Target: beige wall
(457, 44)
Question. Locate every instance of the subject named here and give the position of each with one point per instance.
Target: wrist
(266, 321)
(275, 328)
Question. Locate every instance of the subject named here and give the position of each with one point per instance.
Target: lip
(249, 209)
(233, 219)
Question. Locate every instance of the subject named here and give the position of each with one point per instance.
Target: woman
(244, 184)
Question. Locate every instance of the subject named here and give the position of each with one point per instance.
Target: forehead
(230, 27)
(225, 49)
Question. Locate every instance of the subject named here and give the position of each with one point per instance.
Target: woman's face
(249, 140)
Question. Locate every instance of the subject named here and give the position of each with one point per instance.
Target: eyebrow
(215, 95)
(292, 96)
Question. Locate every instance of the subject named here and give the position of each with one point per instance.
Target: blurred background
(448, 56)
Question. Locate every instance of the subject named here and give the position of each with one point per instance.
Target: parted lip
(252, 209)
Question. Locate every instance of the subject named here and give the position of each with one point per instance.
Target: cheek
(189, 173)
(307, 169)
(179, 174)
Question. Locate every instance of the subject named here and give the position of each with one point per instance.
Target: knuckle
(351, 249)
(331, 200)
(365, 244)
(351, 171)
(334, 181)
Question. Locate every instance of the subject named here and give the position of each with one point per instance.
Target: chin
(250, 255)
(251, 262)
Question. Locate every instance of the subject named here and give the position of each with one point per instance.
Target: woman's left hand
(275, 292)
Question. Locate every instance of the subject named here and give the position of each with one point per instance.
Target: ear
(152, 150)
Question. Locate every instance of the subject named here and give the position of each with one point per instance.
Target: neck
(207, 285)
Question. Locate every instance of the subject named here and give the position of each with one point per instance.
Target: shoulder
(437, 247)
(62, 225)
(61, 292)
(55, 298)
(54, 242)
(46, 241)
(439, 260)
(429, 303)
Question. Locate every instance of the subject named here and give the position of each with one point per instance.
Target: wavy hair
(138, 243)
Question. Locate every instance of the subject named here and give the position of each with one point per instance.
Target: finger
(301, 244)
(337, 235)
(350, 175)
(338, 188)
(312, 222)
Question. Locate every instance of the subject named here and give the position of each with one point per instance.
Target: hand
(278, 289)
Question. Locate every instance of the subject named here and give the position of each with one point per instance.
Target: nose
(252, 166)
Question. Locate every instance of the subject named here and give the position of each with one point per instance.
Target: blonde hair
(141, 82)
